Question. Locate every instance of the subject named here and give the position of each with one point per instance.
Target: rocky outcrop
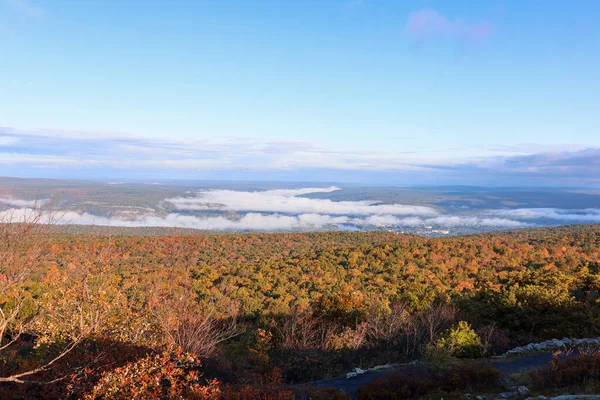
(554, 344)
(359, 371)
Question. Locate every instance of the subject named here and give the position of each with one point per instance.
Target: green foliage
(460, 341)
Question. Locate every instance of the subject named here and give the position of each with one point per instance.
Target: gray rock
(523, 390)
(351, 375)
(506, 395)
(384, 366)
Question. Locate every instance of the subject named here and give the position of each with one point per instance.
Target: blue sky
(402, 92)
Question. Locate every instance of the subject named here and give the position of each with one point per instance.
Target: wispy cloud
(429, 24)
(63, 154)
(26, 7)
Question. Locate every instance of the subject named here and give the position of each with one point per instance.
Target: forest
(260, 316)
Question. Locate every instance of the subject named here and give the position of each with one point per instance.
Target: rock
(506, 395)
(557, 343)
(567, 341)
(516, 350)
(384, 366)
(351, 375)
(523, 390)
(480, 397)
(359, 371)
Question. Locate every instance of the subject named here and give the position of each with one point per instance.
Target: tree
(23, 241)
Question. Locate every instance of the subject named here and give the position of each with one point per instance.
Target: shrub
(581, 372)
(397, 385)
(158, 376)
(414, 382)
(476, 375)
(460, 341)
(268, 386)
(309, 392)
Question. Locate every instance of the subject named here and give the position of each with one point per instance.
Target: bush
(397, 385)
(460, 341)
(158, 376)
(267, 386)
(414, 382)
(477, 375)
(309, 392)
(579, 373)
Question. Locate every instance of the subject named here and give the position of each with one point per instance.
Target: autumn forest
(244, 316)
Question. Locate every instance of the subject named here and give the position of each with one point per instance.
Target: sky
(387, 92)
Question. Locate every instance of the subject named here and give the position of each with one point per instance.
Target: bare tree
(389, 326)
(436, 318)
(302, 330)
(187, 323)
(23, 238)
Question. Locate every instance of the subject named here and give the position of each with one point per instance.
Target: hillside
(258, 312)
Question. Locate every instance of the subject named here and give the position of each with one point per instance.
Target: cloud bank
(250, 221)
(22, 203)
(287, 201)
(285, 210)
(585, 215)
(254, 221)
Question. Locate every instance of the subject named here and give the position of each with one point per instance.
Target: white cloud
(250, 221)
(286, 201)
(442, 221)
(558, 214)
